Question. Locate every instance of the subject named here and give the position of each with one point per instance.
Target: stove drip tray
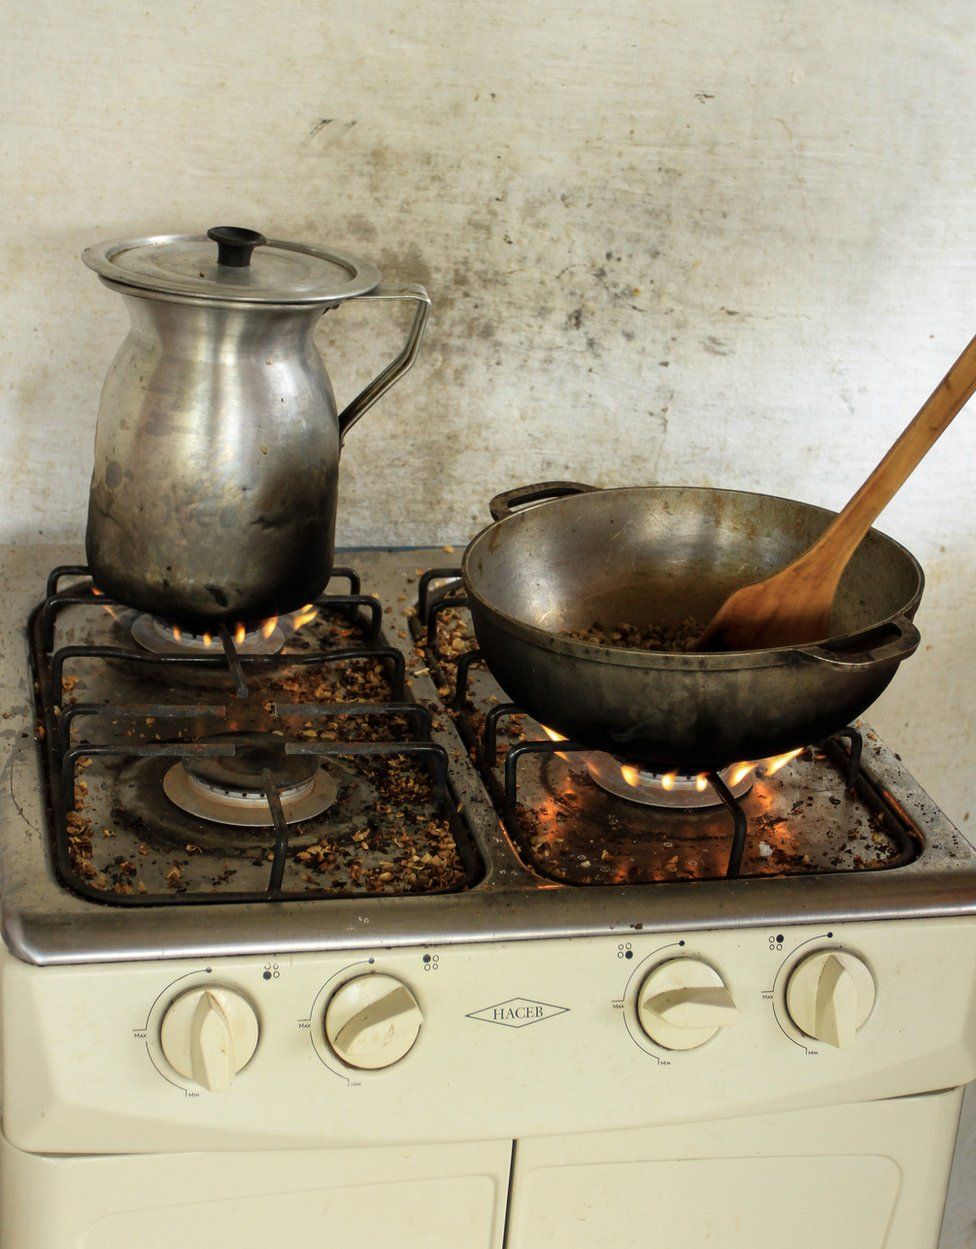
(230, 789)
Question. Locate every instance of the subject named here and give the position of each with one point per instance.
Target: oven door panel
(429, 1197)
(852, 1177)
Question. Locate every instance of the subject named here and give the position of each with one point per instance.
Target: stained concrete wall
(698, 242)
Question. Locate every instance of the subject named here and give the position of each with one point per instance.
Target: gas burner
(229, 789)
(668, 789)
(162, 638)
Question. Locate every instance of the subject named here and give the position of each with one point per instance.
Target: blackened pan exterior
(662, 553)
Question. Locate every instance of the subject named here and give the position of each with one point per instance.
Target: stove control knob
(830, 995)
(372, 1021)
(208, 1035)
(683, 1003)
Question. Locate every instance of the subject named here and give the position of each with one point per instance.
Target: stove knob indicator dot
(683, 1003)
(830, 995)
(372, 1021)
(208, 1035)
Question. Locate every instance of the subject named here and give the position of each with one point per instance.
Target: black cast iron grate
(64, 722)
(434, 600)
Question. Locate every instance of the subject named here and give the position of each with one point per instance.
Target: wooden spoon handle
(840, 540)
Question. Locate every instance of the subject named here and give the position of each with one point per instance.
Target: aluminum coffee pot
(213, 496)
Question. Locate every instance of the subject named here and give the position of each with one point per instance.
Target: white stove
(448, 991)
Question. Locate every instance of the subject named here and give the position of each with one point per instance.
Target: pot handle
(504, 504)
(396, 368)
(894, 640)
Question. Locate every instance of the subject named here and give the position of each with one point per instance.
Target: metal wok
(651, 554)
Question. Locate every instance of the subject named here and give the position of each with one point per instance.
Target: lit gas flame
(739, 773)
(772, 766)
(105, 606)
(668, 780)
(240, 633)
(556, 737)
(269, 626)
(762, 767)
(208, 639)
(177, 633)
(701, 782)
(630, 774)
(305, 615)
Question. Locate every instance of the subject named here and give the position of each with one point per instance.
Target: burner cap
(229, 789)
(253, 754)
(670, 789)
(162, 638)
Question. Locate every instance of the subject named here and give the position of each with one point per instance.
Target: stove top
(352, 775)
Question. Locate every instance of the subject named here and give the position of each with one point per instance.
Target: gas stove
(311, 897)
(363, 753)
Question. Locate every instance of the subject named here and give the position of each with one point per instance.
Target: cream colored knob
(830, 995)
(208, 1035)
(683, 1003)
(372, 1021)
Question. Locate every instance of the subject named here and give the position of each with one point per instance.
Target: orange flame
(764, 767)
(105, 606)
(269, 626)
(305, 615)
(177, 633)
(772, 766)
(739, 773)
(556, 737)
(207, 639)
(240, 633)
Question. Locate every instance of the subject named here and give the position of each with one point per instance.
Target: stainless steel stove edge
(42, 923)
(72, 935)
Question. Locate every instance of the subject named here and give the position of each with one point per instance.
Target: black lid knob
(235, 244)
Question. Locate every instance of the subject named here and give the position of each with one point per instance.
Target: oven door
(869, 1176)
(421, 1197)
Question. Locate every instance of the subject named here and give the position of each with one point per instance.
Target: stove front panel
(515, 1040)
(427, 1197)
(855, 1177)
(852, 1177)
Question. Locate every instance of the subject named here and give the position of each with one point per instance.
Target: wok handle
(894, 640)
(504, 504)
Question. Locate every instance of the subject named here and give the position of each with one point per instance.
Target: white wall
(705, 242)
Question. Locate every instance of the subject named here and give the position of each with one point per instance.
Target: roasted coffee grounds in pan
(652, 637)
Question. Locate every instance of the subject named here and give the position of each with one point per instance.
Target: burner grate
(368, 743)
(228, 657)
(715, 781)
(479, 715)
(429, 752)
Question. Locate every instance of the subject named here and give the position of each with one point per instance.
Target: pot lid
(231, 264)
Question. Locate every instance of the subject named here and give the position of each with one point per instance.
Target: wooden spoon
(794, 605)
